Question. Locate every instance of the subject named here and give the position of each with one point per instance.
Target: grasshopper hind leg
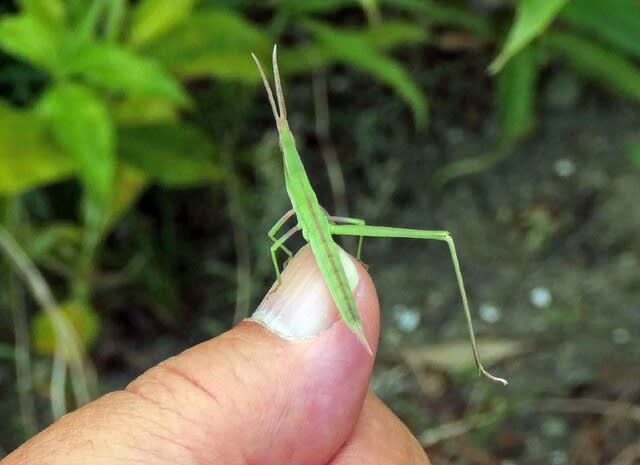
(383, 231)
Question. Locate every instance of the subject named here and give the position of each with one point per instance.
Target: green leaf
(605, 66)
(615, 21)
(532, 18)
(51, 12)
(136, 111)
(130, 183)
(114, 21)
(83, 319)
(305, 57)
(358, 50)
(30, 39)
(380, 37)
(172, 155)
(212, 43)
(516, 95)
(88, 25)
(76, 10)
(81, 124)
(115, 68)
(28, 158)
(391, 34)
(152, 18)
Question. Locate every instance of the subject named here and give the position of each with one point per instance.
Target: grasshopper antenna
(272, 101)
(278, 84)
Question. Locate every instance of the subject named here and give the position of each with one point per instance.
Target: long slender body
(316, 230)
(312, 219)
(317, 227)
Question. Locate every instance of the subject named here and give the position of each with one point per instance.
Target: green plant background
(139, 173)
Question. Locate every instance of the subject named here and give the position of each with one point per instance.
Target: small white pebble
(406, 318)
(540, 297)
(620, 335)
(564, 167)
(490, 313)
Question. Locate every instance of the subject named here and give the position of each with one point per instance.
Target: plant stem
(94, 224)
(115, 14)
(24, 379)
(67, 341)
(240, 236)
(22, 356)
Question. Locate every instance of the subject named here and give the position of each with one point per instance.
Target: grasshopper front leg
(278, 244)
(278, 226)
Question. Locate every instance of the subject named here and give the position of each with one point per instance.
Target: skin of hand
(286, 387)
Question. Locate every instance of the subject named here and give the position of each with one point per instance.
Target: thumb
(285, 387)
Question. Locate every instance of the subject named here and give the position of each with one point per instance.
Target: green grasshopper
(318, 227)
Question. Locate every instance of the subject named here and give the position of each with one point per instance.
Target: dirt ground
(548, 243)
(549, 249)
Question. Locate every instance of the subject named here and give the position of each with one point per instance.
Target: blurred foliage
(102, 94)
(83, 320)
(634, 155)
(532, 18)
(596, 39)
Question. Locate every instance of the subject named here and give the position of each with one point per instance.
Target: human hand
(290, 390)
